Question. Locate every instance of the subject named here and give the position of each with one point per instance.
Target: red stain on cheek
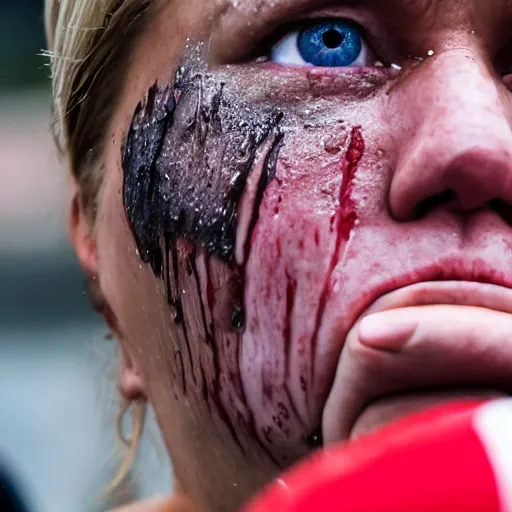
(346, 215)
(344, 218)
(210, 294)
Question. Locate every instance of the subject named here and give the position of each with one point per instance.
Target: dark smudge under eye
(186, 160)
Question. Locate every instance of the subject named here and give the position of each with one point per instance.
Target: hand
(398, 352)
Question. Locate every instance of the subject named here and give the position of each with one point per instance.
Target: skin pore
(251, 211)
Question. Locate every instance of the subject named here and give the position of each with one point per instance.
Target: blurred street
(57, 371)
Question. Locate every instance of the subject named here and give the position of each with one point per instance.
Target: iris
(330, 44)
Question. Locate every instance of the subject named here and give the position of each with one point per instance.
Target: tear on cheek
(191, 170)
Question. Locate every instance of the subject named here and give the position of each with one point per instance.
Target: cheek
(129, 286)
(188, 158)
(305, 222)
(240, 228)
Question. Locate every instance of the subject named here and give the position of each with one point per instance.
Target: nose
(456, 139)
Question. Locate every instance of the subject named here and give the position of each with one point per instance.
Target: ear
(131, 384)
(82, 235)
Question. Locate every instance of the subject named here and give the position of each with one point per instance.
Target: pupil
(332, 38)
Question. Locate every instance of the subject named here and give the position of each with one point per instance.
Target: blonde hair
(89, 45)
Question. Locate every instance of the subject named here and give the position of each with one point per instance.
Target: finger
(446, 339)
(416, 349)
(408, 329)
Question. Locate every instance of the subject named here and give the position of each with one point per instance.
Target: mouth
(374, 387)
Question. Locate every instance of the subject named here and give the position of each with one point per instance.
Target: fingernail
(386, 331)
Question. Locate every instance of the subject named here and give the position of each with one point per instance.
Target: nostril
(503, 209)
(433, 202)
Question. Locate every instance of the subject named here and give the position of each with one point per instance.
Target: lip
(462, 293)
(444, 367)
(474, 272)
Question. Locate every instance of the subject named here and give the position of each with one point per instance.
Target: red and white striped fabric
(452, 458)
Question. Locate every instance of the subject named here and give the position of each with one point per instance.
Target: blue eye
(333, 43)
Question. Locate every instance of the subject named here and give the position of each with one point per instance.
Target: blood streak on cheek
(346, 215)
(343, 220)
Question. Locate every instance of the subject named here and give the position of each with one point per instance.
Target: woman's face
(293, 164)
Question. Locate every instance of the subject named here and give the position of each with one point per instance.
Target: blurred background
(57, 367)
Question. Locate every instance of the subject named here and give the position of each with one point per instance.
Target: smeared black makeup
(187, 158)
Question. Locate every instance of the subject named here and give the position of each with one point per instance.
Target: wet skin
(252, 211)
